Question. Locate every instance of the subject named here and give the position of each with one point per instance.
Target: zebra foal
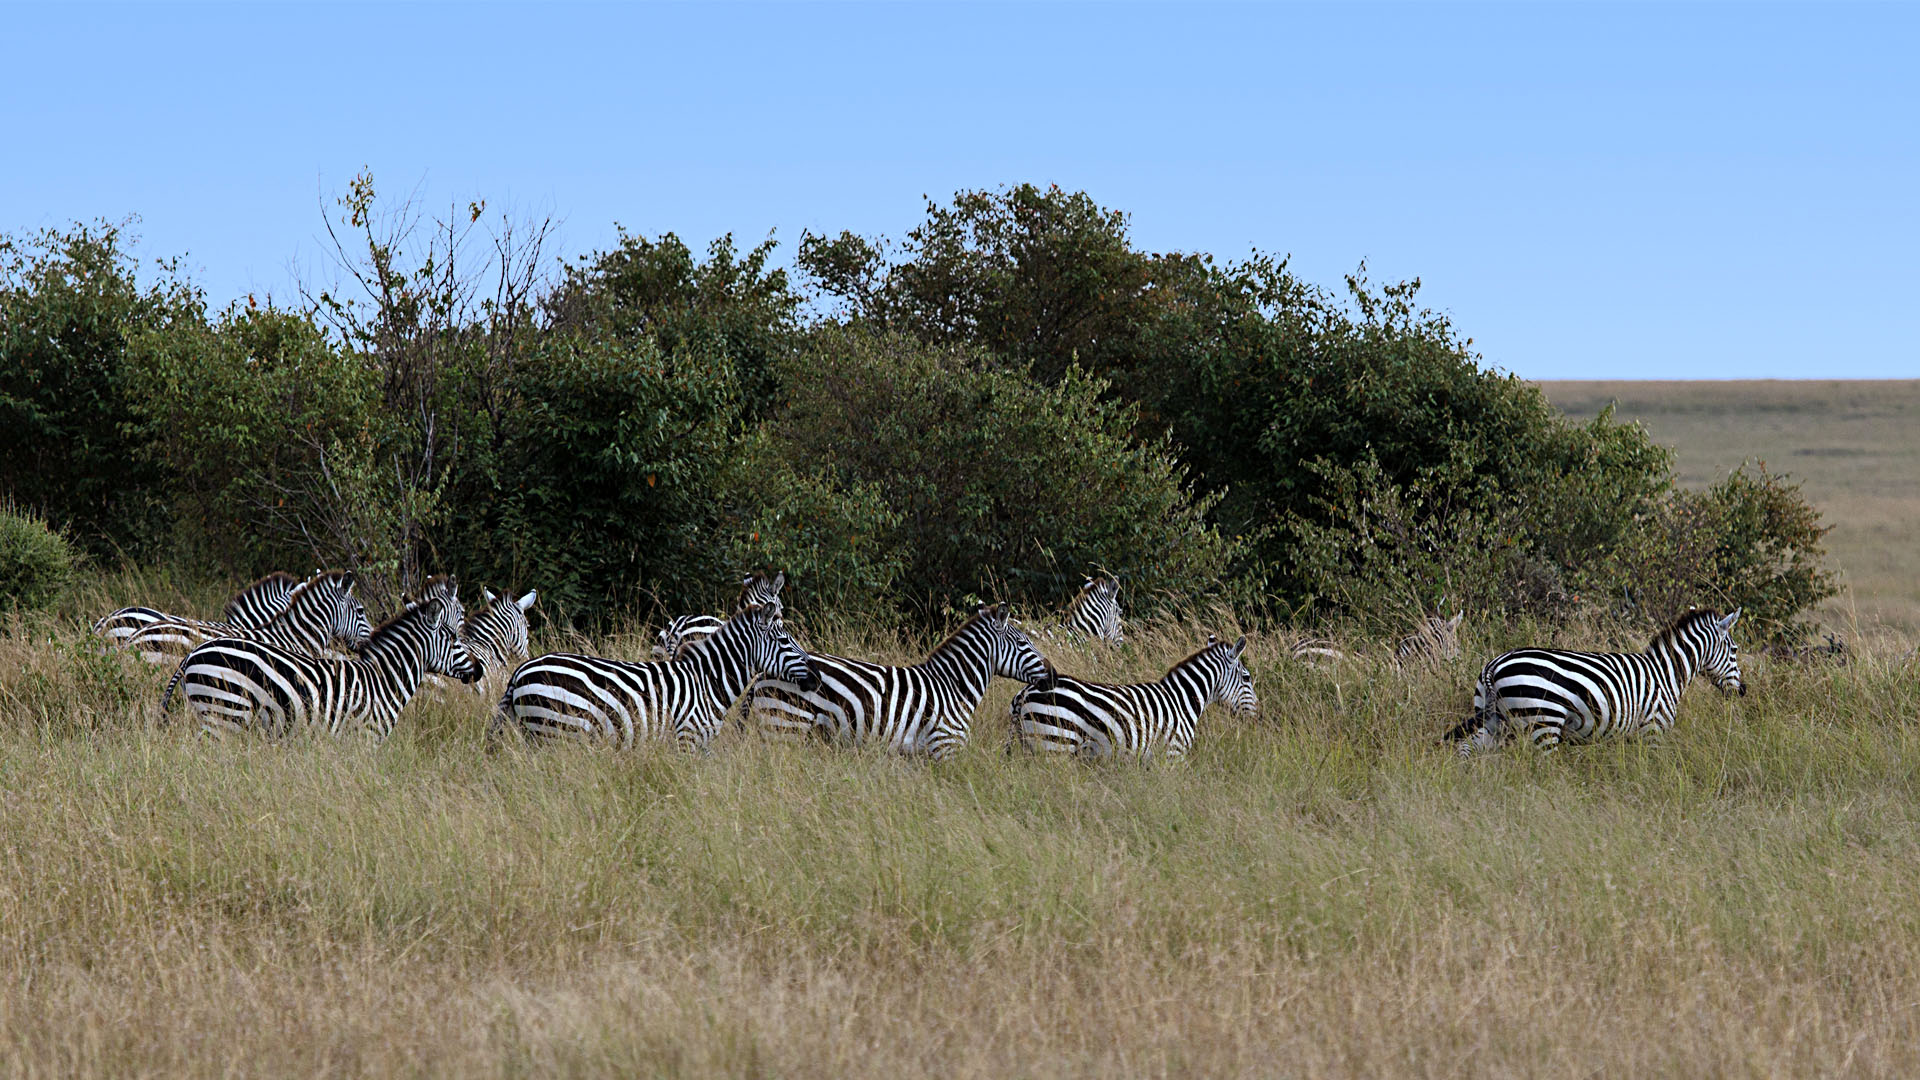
(592, 698)
(1558, 695)
(238, 684)
(1103, 719)
(926, 707)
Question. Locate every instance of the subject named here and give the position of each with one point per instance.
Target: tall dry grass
(1320, 892)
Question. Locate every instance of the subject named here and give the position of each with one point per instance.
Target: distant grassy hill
(1854, 444)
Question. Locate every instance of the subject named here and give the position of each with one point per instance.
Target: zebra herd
(293, 655)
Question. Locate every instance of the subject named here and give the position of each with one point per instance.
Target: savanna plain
(1320, 892)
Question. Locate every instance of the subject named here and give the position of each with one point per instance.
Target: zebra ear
(779, 581)
(1727, 623)
(1240, 647)
(1455, 621)
(488, 593)
(526, 601)
(346, 581)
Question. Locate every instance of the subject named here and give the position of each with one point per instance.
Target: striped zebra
(253, 607)
(926, 707)
(1102, 719)
(321, 612)
(1556, 695)
(755, 589)
(591, 698)
(497, 636)
(1092, 615)
(240, 684)
(1434, 643)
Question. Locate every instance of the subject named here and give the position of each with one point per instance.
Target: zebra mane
(407, 611)
(436, 581)
(1681, 625)
(314, 582)
(987, 612)
(275, 578)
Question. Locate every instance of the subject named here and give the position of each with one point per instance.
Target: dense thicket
(1008, 397)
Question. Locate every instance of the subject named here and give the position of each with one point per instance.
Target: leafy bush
(36, 563)
(68, 301)
(1750, 541)
(996, 480)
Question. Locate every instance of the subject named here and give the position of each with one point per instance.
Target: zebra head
(1437, 640)
(443, 588)
(330, 594)
(772, 650)
(1096, 609)
(444, 652)
(1234, 686)
(1010, 651)
(1719, 656)
(682, 632)
(509, 616)
(759, 590)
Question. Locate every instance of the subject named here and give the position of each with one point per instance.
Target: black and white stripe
(1103, 719)
(1434, 643)
(927, 707)
(1556, 695)
(497, 636)
(239, 684)
(592, 698)
(1092, 615)
(321, 613)
(757, 589)
(253, 607)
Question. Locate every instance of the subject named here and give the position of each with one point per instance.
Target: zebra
(1102, 720)
(497, 636)
(755, 588)
(926, 707)
(321, 611)
(591, 698)
(1092, 615)
(253, 607)
(1557, 695)
(239, 683)
(1434, 643)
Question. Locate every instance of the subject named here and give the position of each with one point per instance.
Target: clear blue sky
(1625, 191)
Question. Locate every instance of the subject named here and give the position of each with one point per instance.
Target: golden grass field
(1321, 892)
(1854, 445)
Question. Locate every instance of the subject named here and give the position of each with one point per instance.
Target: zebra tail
(166, 699)
(1477, 719)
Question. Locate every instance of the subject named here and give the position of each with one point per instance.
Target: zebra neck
(1676, 664)
(722, 663)
(1193, 683)
(399, 656)
(964, 660)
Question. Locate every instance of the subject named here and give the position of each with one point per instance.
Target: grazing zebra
(1092, 615)
(755, 589)
(237, 684)
(250, 609)
(1436, 642)
(1101, 719)
(591, 698)
(321, 612)
(497, 636)
(1556, 695)
(927, 707)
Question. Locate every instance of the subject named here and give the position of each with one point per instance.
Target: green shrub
(1000, 484)
(36, 563)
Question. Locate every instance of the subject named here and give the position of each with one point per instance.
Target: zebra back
(256, 605)
(593, 698)
(1102, 719)
(927, 707)
(238, 684)
(120, 625)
